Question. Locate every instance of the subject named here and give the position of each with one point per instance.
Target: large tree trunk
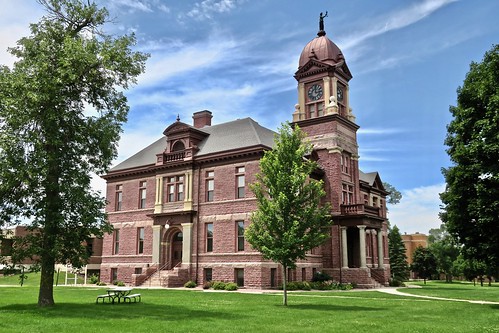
(46, 292)
(284, 281)
(50, 230)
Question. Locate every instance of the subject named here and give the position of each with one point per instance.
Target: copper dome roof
(323, 49)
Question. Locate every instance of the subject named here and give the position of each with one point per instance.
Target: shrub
(190, 284)
(396, 283)
(207, 285)
(119, 283)
(231, 286)
(321, 277)
(94, 278)
(100, 283)
(218, 285)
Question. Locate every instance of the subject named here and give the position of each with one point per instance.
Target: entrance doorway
(176, 253)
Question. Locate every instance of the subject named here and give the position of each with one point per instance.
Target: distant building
(411, 242)
(180, 206)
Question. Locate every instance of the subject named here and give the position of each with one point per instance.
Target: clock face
(315, 92)
(339, 92)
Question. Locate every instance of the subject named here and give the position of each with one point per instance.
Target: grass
(198, 311)
(457, 289)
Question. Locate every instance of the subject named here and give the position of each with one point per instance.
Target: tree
(394, 195)
(423, 263)
(290, 219)
(445, 250)
(471, 197)
(61, 111)
(398, 260)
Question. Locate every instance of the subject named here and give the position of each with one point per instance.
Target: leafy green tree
(394, 195)
(61, 110)
(471, 197)
(446, 252)
(398, 259)
(290, 219)
(424, 263)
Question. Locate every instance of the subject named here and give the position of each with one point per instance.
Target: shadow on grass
(330, 307)
(106, 312)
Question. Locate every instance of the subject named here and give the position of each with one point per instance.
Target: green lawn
(457, 289)
(198, 311)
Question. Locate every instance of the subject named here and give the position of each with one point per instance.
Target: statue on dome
(321, 21)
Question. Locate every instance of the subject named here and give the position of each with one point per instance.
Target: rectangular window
(210, 185)
(239, 275)
(140, 240)
(175, 188)
(138, 270)
(311, 110)
(345, 163)
(240, 235)
(375, 202)
(304, 274)
(347, 194)
(209, 237)
(114, 274)
(240, 182)
(116, 241)
(320, 109)
(142, 194)
(208, 274)
(119, 197)
(290, 275)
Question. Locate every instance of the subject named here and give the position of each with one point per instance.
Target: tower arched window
(178, 146)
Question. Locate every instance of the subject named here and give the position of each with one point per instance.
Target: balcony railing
(175, 156)
(358, 209)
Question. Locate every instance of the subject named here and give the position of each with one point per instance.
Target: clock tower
(324, 113)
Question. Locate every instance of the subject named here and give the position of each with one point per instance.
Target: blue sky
(237, 58)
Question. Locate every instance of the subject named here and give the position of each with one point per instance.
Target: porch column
(186, 243)
(344, 248)
(380, 249)
(156, 243)
(362, 245)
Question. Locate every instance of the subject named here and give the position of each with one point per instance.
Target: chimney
(202, 118)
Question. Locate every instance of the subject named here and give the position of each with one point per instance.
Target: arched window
(178, 146)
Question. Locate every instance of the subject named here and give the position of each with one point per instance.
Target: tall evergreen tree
(290, 219)
(471, 197)
(398, 259)
(50, 143)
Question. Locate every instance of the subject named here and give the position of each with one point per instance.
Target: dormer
(182, 142)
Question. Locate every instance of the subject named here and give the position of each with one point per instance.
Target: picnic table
(119, 295)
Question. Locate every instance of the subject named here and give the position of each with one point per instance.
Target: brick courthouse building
(180, 206)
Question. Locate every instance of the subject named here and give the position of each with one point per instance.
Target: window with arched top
(178, 146)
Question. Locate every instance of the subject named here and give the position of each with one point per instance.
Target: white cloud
(166, 63)
(205, 9)
(393, 21)
(418, 210)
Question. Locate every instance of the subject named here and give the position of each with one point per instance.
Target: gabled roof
(232, 135)
(372, 179)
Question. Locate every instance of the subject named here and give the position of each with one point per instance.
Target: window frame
(118, 205)
(210, 186)
(239, 276)
(175, 188)
(140, 240)
(142, 194)
(209, 238)
(239, 236)
(240, 175)
(116, 241)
